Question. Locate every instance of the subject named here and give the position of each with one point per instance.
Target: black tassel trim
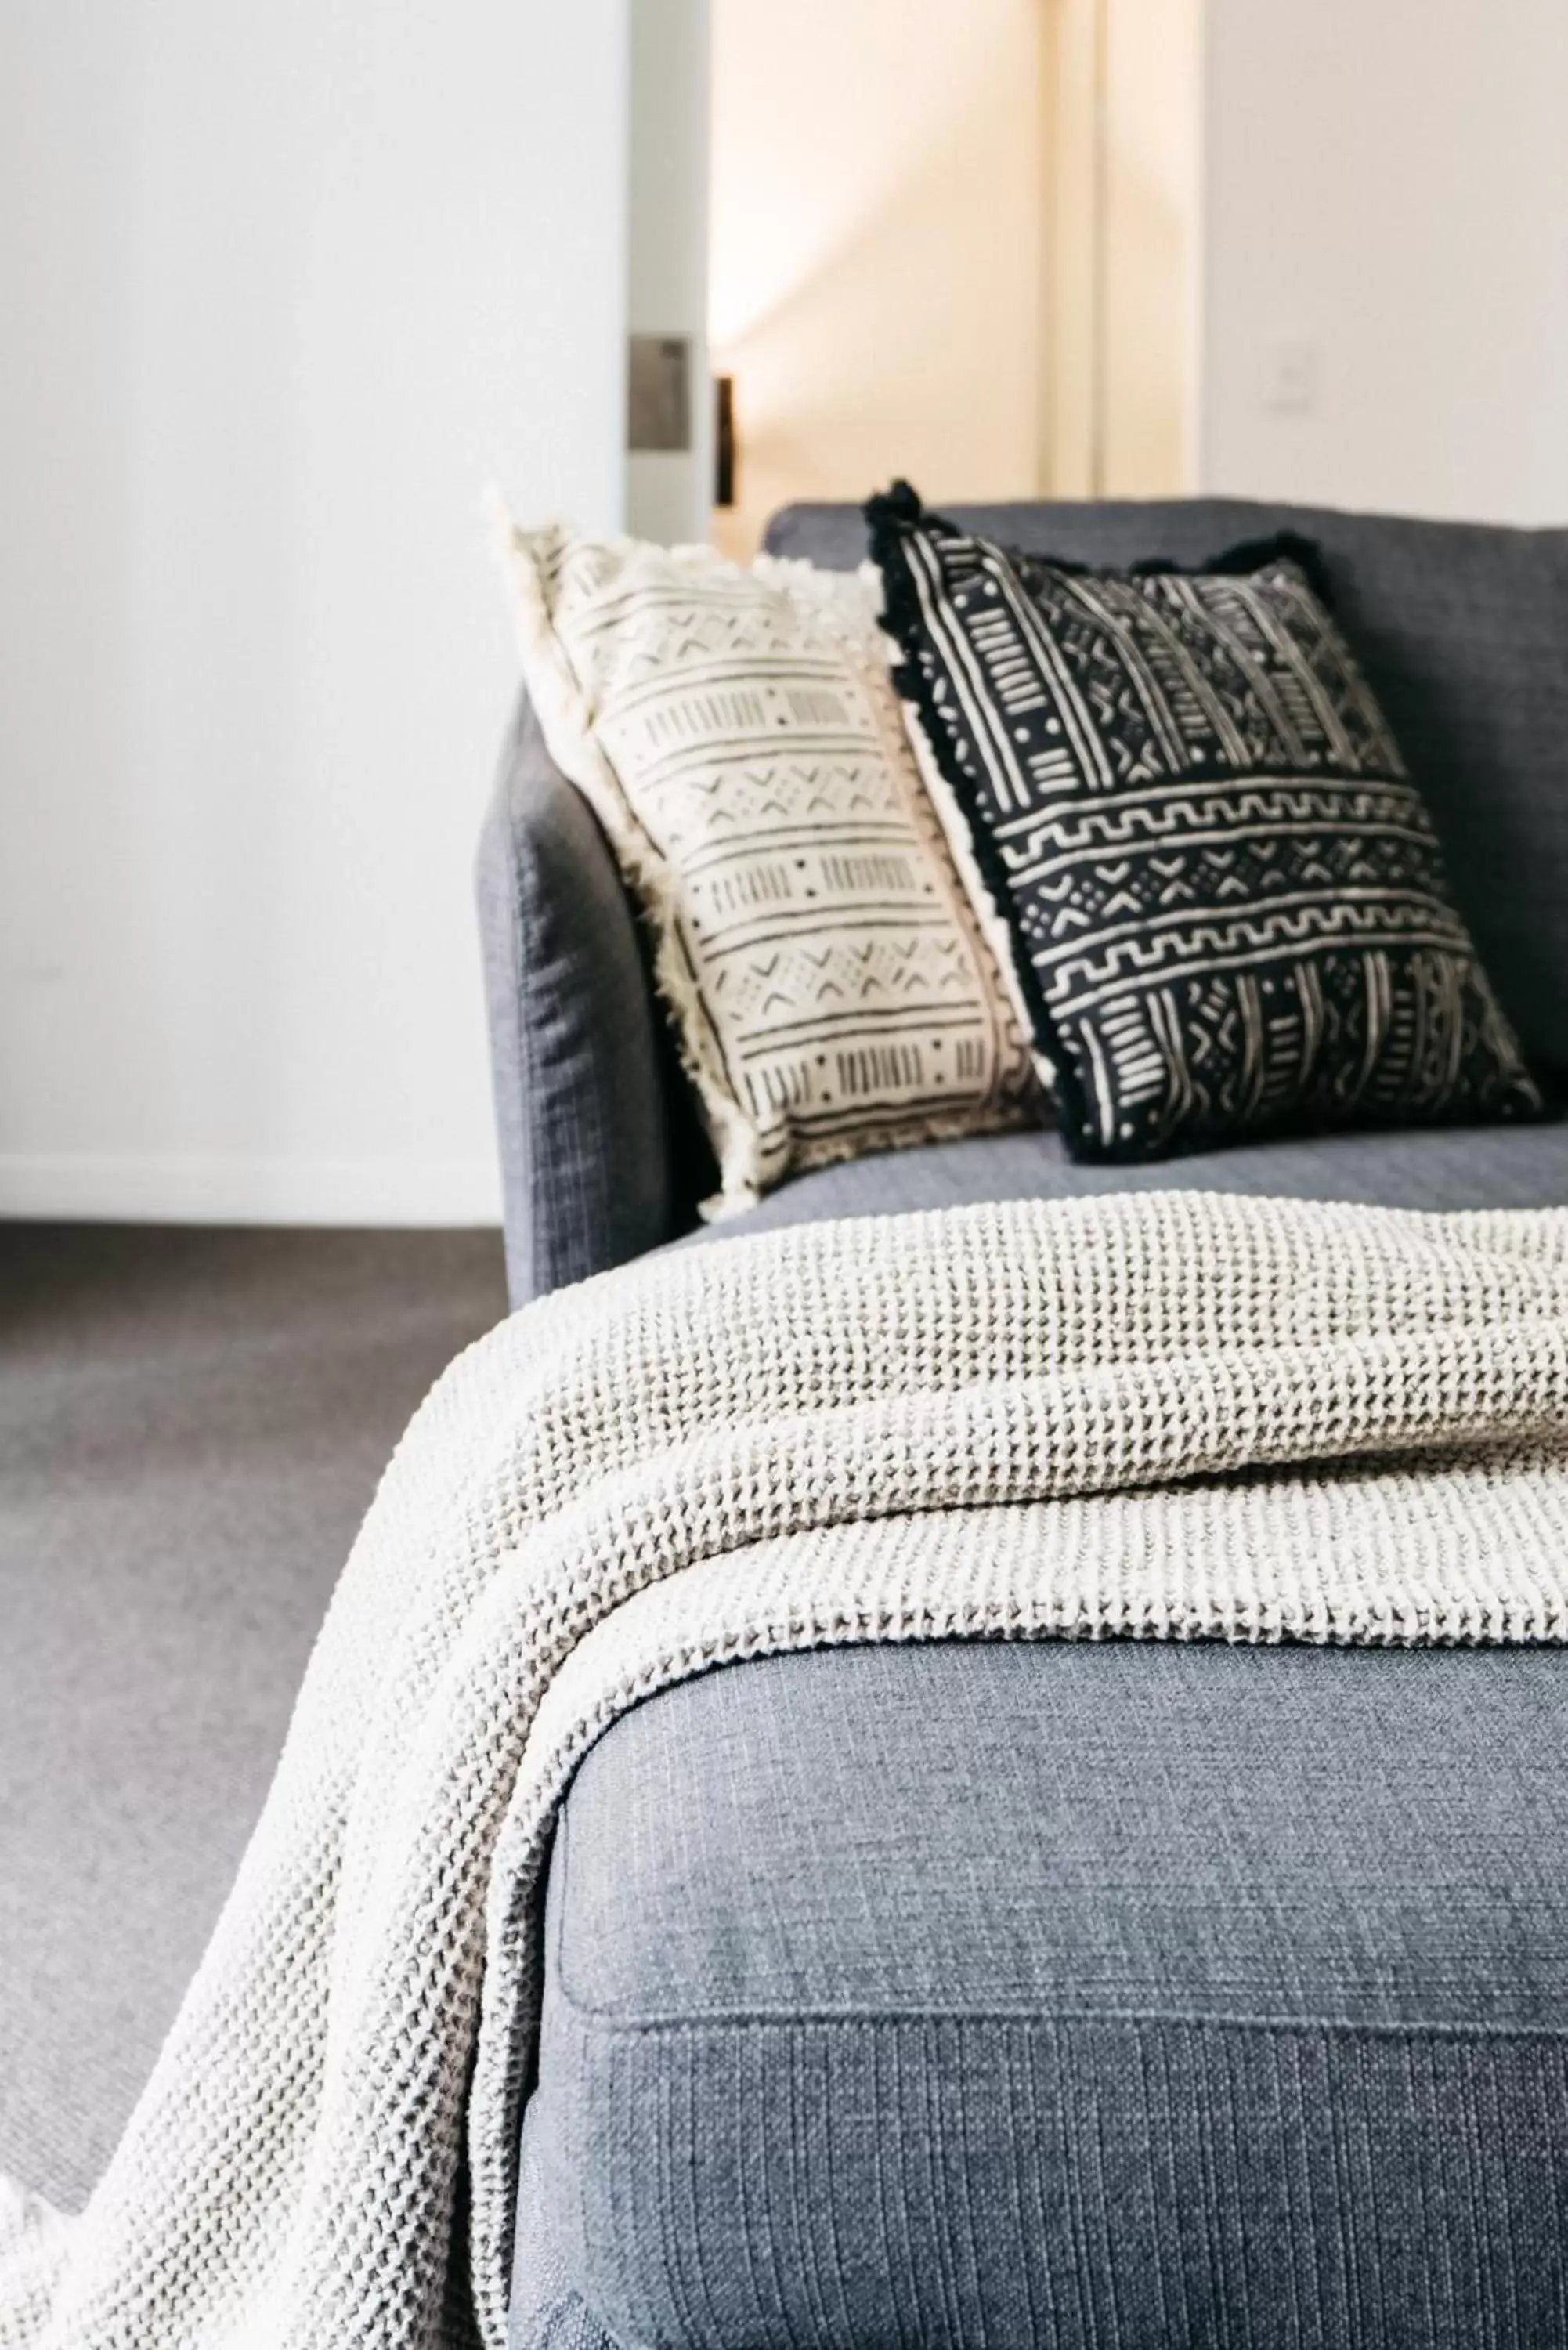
(900, 507)
(1259, 554)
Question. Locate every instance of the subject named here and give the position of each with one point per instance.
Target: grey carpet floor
(192, 1425)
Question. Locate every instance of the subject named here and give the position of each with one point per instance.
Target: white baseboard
(217, 1190)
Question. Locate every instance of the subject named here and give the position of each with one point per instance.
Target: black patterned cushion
(1226, 897)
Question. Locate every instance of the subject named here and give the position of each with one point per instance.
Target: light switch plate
(1290, 379)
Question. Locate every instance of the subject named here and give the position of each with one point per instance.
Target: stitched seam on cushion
(602, 2023)
(538, 1275)
(556, 1952)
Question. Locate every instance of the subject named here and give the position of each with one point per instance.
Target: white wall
(1386, 255)
(281, 285)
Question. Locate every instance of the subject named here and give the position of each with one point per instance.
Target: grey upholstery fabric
(1066, 1994)
(1463, 631)
(1460, 1167)
(1121, 1996)
(579, 1066)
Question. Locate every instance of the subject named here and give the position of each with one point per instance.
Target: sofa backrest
(1462, 628)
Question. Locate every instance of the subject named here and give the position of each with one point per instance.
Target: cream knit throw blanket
(1014, 1420)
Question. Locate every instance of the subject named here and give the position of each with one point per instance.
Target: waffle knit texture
(1169, 1415)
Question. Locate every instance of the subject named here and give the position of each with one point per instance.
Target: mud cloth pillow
(739, 737)
(1227, 901)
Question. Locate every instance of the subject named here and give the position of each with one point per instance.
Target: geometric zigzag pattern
(1226, 897)
(738, 734)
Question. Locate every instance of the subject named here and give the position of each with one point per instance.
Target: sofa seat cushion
(1058, 1993)
(1465, 1167)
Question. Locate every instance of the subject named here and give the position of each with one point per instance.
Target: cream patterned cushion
(737, 734)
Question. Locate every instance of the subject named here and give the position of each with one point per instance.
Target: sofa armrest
(575, 1048)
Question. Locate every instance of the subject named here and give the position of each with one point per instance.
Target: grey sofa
(1112, 1995)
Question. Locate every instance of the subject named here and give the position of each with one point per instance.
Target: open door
(952, 239)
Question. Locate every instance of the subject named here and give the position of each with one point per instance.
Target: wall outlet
(1290, 384)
